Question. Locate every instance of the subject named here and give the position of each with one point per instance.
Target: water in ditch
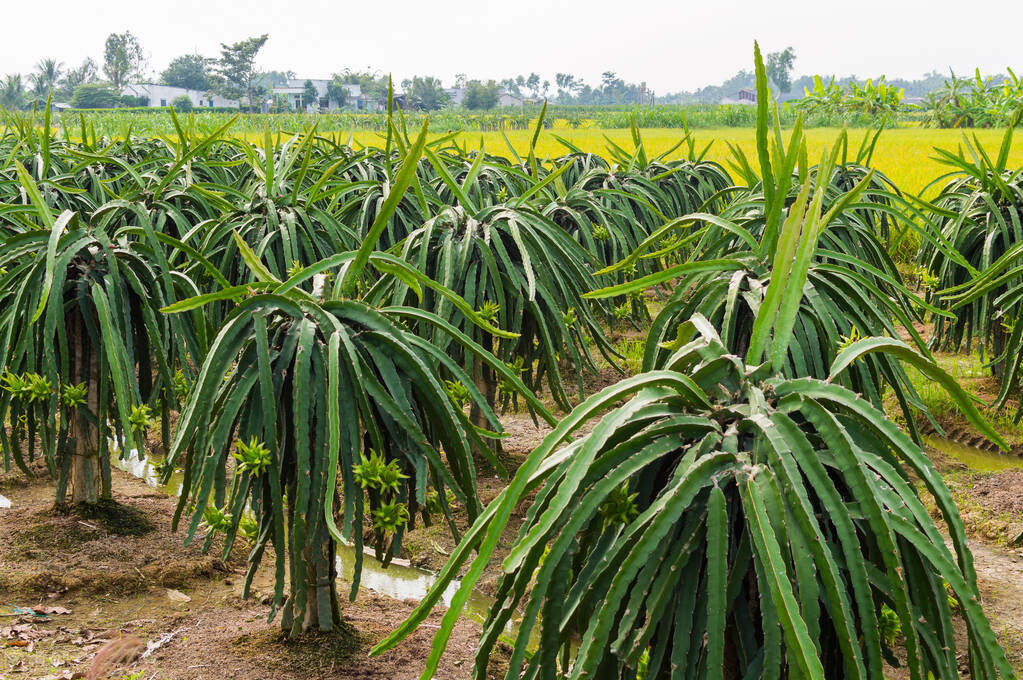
(973, 457)
(396, 581)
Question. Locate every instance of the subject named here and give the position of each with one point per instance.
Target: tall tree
(568, 85)
(123, 59)
(86, 73)
(779, 68)
(337, 92)
(12, 92)
(311, 95)
(372, 84)
(190, 71)
(511, 86)
(99, 95)
(479, 95)
(533, 83)
(235, 70)
(48, 73)
(427, 93)
(272, 79)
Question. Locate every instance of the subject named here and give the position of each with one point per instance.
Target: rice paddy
(905, 155)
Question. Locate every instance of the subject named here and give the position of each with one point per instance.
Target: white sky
(672, 45)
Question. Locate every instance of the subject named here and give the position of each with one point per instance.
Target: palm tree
(74, 77)
(48, 73)
(12, 92)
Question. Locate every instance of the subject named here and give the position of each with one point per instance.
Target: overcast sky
(672, 45)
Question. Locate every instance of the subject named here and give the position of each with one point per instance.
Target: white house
(294, 91)
(152, 94)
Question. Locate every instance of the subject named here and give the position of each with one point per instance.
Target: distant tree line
(90, 85)
(785, 87)
(233, 75)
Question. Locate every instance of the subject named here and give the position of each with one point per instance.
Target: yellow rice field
(905, 155)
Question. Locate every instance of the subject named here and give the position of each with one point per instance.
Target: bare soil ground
(116, 594)
(87, 586)
(990, 507)
(1000, 577)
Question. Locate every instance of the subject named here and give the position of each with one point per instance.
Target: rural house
(746, 96)
(294, 91)
(152, 95)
